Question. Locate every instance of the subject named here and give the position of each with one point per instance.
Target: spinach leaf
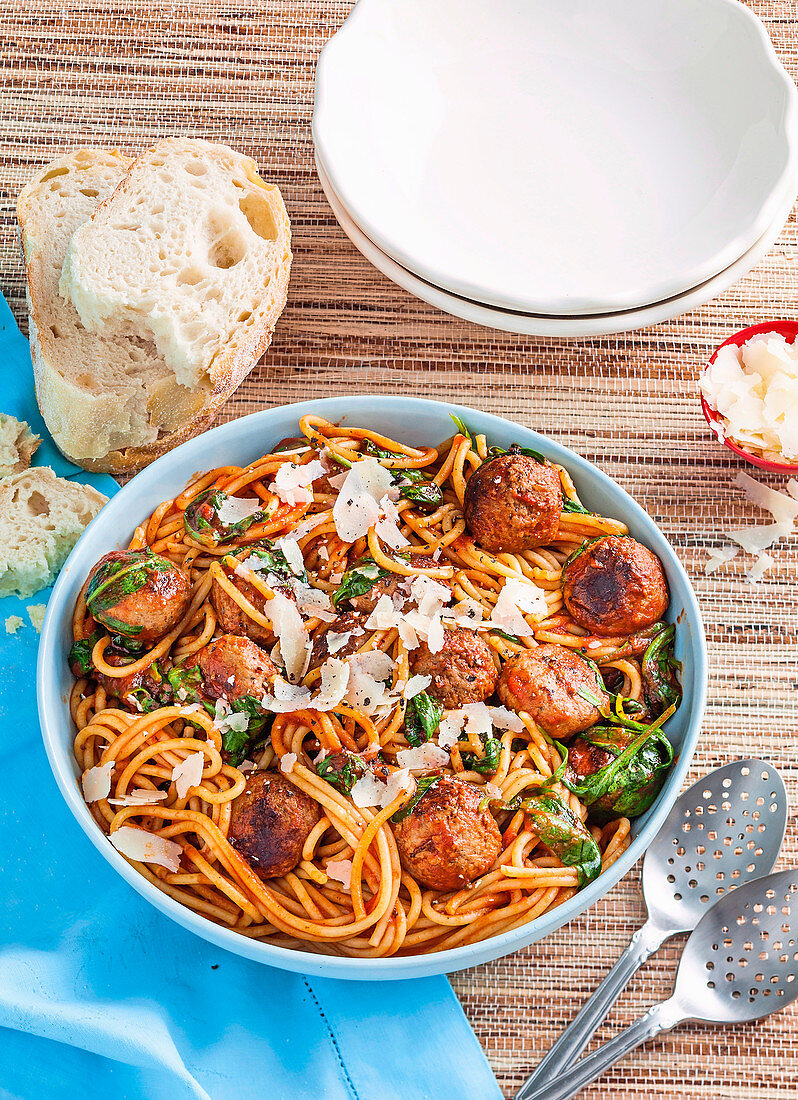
(503, 634)
(563, 833)
(660, 683)
(201, 519)
(342, 770)
(424, 784)
(422, 717)
(517, 449)
(235, 744)
(486, 764)
(80, 654)
(461, 427)
(187, 685)
(579, 550)
(426, 494)
(144, 699)
(569, 505)
(358, 580)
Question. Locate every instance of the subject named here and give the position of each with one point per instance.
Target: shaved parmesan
(371, 791)
(97, 782)
(235, 509)
(145, 847)
(188, 773)
(292, 553)
(505, 719)
(718, 556)
(423, 757)
(754, 391)
(337, 641)
(287, 761)
(387, 526)
(340, 870)
(757, 539)
(367, 690)
(430, 596)
(292, 633)
(450, 729)
(516, 599)
(415, 685)
(357, 506)
(291, 482)
(760, 567)
(226, 719)
(139, 797)
(782, 507)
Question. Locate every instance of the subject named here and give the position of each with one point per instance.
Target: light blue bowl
(417, 422)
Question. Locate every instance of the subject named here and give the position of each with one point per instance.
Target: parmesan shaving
(292, 634)
(357, 506)
(287, 761)
(139, 797)
(424, 757)
(754, 391)
(188, 773)
(760, 567)
(292, 553)
(291, 482)
(288, 697)
(718, 556)
(415, 685)
(235, 509)
(517, 599)
(97, 782)
(144, 847)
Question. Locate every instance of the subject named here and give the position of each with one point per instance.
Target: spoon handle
(570, 1044)
(661, 1017)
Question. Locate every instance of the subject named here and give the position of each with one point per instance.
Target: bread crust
(59, 400)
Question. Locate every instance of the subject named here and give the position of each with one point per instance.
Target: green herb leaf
(507, 637)
(486, 764)
(424, 784)
(342, 770)
(187, 684)
(563, 833)
(144, 699)
(80, 654)
(358, 580)
(115, 580)
(660, 672)
(201, 519)
(517, 449)
(422, 718)
(569, 505)
(579, 550)
(426, 495)
(275, 561)
(235, 744)
(462, 429)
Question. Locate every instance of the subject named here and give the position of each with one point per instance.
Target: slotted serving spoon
(724, 830)
(740, 964)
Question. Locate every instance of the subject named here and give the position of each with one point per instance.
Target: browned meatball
(554, 686)
(462, 671)
(232, 617)
(585, 759)
(137, 594)
(446, 841)
(232, 667)
(350, 623)
(271, 820)
(615, 585)
(389, 586)
(138, 691)
(513, 503)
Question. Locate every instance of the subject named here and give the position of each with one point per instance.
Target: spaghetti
(343, 560)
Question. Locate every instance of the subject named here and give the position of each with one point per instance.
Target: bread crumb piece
(36, 615)
(17, 445)
(13, 623)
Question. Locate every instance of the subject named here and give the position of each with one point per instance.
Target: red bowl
(787, 329)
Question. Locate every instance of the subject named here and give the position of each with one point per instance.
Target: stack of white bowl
(557, 167)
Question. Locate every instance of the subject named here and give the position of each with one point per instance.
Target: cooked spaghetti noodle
(166, 755)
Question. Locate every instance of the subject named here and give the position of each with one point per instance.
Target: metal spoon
(724, 830)
(740, 964)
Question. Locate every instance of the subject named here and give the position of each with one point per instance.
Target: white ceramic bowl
(574, 327)
(562, 156)
(418, 422)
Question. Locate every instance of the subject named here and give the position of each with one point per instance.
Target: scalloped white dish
(571, 327)
(559, 157)
(417, 421)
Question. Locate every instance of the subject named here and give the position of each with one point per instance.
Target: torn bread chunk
(18, 444)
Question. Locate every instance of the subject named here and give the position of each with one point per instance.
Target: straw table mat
(125, 73)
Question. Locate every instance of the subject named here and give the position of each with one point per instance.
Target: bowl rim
(668, 288)
(785, 328)
(65, 770)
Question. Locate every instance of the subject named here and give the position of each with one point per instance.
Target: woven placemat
(127, 73)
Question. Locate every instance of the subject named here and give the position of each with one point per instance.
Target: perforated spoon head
(722, 832)
(741, 961)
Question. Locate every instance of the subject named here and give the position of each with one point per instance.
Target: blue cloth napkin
(101, 995)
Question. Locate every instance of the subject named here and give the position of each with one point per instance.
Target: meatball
(446, 841)
(137, 594)
(232, 667)
(615, 585)
(349, 623)
(462, 671)
(585, 759)
(512, 503)
(388, 586)
(271, 820)
(233, 618)
(555, 687)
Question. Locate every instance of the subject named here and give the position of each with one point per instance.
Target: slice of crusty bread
(18, 444)
(193, 250)
(164, 352)
(41, 518)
